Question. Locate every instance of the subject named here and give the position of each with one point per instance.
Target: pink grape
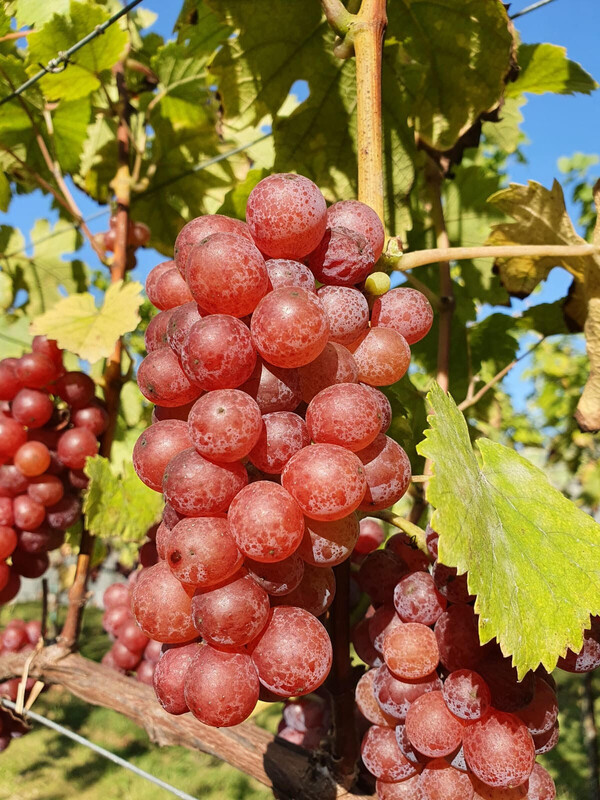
(273, 388)
(9, 383)
(232, 613)
(93, 417)
(197, 487)
(326, 480)
(162, 380)
(385, 407)
(156, 447)
(335, 364)
(124, 657)
(289, 327)
(287, 215)
(155, 335)
(221, 688)
(417, 600)
(28, 513)
(383, 620)
(588, 658)
(387, 472)
(343, 257)
(75, 388)
(358, 217)
(199, 228)
(344, 414)
(180, 323)
(314, 593)
(219, 353)
(466, 694)
(282, 435)
(279, 577)
(450, 584)
(367, 704)
(457, 637)
(169, 290)
(396, 696)
(116, 595)
(31, 407)
(266, 522)
(74, 447)
(169, 677)
(371, 535)
(285, 272)
(227, 274)
(409, 789)
(363, 645)
(405, 310)
(481, 791)
(162, 607)
(403, 546)
(225, 424)
(431, 728)
(8, 541)
(544, 742)
(540, 785)
(441, 781)
(499, 749)
(379, 573)
(411, 651)
(382, 356)
(382, 756)
(326, 544)
(153, 276)
(542, 712)
(12, 436)
(347, 311)
(35, 370)
(508, 693)
(32, 459)
(293, 654)
(201, 551)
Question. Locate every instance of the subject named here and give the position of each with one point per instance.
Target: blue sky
(555, 125)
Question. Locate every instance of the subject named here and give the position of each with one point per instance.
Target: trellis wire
(54, 65)
(533, 7)
(101, 751)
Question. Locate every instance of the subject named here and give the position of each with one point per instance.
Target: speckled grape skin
(344, 414)
(541, 786)
(343, 258)
(588, 658)
(273, 388)
(155, 335)
(161, 380)
(443, 782)
(541, 714)
(379, 573)
(361, 218)
(482, 791)
(382, 756)
(383, 620)
(266, 522)
(224, 425)
(409, 789)
(219, 353)
(201, 551)
(232, 613)
(278, 578)
(201, 227)
(387, 471)
(226, 274)
(403, 546)
(162, 607)
(285, 272)
(466, 694)
(326, 544)
(382, 356)
(396, 696)
(457, 636)
(508, 693)
(545, 742)
(406, 311)
(169, 290)
(287, 215)
(169, 677)
(197, 487)
(327, 481)
(367, 704)
(406, 747)
(221, 688)
(335, 364)
(180, 323)
(282, 434)
(347, 312)
(314, 593)
(499, 749)
(153, 276)
(411, 651)
(289, 327)
(417, 600)
(293, 654)
(371, 535)
(385, 407)
(156, 446)
(431, 728)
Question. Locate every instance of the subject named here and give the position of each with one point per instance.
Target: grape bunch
(18, 637)
(131, 650)
(448, 718)
(268, 437)
(50, 422)
(138, 235)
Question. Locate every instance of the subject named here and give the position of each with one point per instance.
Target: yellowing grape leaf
(546, 68)
(117, 504)
(532, 556)
(90, 332)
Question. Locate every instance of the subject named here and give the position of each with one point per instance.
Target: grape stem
(416, 533)
(338, 16)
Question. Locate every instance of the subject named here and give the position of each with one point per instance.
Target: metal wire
(61, 61)
(531, 8)
(101, 751)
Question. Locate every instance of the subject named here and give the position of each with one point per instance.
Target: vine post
(112, 377)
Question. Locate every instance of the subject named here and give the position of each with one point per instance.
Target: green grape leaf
(545, 318)
(546, 68)
(70, 122)
(506, 133)
(98, 162)
(117, 504)
(531, 555)
(236, 199)
(35, 12)
(85, 72)
(5, 193)
(15, 338)
(90, 332)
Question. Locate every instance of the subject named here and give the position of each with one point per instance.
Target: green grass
(47, 766)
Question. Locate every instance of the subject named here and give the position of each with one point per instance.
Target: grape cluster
(18, 637)
(50, 422)
(131, 650)
(268, 436)
(138, 235)
(448, 718)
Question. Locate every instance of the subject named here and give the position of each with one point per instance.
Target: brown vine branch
(8, 37)
(291, 771)
(472, 399)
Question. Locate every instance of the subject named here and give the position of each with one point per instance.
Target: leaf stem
(338, 16)
(419, 258)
